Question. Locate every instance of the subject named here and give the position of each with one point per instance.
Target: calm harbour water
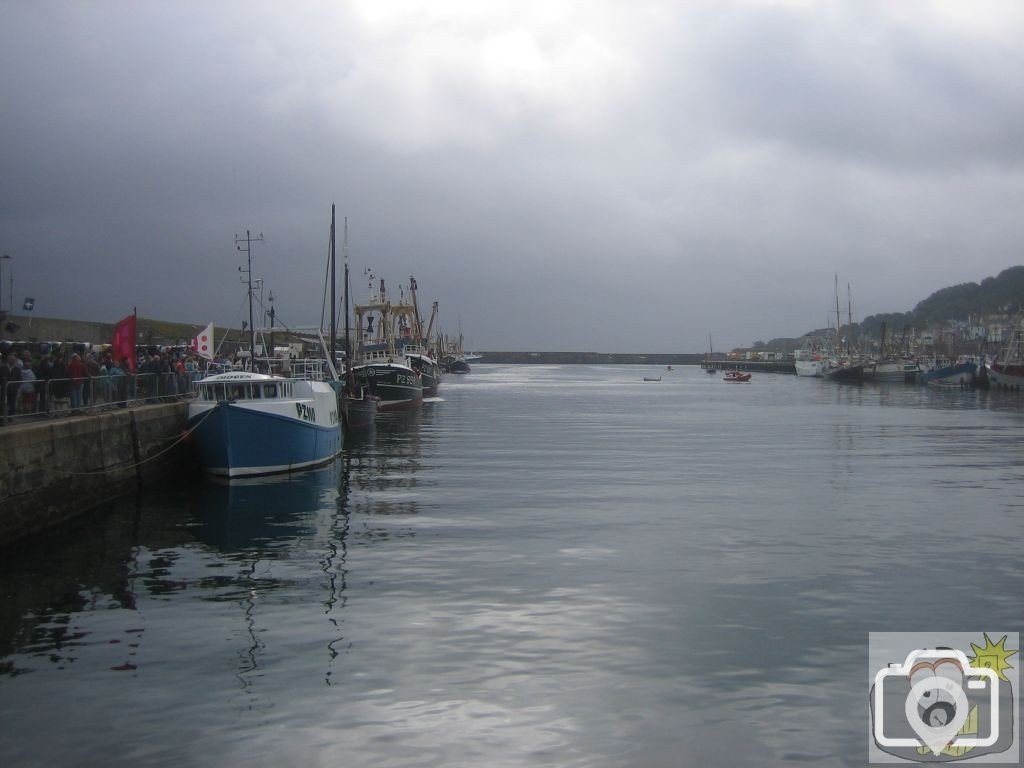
(550, 565)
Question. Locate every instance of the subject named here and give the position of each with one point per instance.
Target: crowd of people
(51, 380)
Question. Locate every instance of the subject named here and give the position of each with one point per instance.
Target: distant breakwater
(591, 358)
(161, 332)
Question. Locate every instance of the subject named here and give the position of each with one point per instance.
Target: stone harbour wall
(54, 470)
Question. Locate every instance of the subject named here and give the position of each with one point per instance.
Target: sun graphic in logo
(992, 656)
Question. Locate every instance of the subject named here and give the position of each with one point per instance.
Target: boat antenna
(247, 271)
(334, 332)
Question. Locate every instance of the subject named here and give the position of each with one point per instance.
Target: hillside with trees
(1002, 294)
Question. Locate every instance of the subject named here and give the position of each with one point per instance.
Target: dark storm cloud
(558, 176)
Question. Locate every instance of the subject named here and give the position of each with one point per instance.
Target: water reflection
(46, 584)
(265, 515)
(529, 573)
(387, 466)
(216, 542)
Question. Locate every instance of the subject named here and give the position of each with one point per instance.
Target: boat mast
(839, 345)
(849, 322)
(348, 345)
(430, 325)
(249, 240)
(334, 304)
(417, 323)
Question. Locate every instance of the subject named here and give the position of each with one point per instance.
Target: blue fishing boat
(244, 424)
(951, 375)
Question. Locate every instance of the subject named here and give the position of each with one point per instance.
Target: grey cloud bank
(559, 176)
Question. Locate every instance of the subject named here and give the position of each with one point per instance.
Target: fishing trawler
(412, 344)
(378, 365)
(810, 360)
(245, 423)
(1007, 370)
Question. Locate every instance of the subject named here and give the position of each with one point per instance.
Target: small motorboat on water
(736, 376)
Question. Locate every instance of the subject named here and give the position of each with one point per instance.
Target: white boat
(810, 360)
(244, 424)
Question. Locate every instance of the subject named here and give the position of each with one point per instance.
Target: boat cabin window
(244, 391)
(214, 392)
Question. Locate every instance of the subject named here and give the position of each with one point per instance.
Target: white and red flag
(203, 343)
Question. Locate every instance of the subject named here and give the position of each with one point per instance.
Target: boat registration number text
(308, 413)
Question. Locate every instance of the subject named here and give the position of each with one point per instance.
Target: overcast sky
(599, 175)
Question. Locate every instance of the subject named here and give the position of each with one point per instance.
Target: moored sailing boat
(849, 369)
(889, 367)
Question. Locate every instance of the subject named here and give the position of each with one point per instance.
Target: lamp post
(4, 258)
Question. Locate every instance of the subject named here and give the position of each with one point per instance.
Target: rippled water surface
(545, 566)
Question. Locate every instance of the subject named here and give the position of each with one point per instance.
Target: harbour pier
(54, 470)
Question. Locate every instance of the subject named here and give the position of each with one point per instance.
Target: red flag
(123, 347)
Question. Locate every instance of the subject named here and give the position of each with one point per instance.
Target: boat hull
(891, 370)
(811, 368)
(247, 439)
(397, 387)
(429, 371)
(961, 375)
(359, 412)
(456, 365)
(847, 373)
(1004, 376)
